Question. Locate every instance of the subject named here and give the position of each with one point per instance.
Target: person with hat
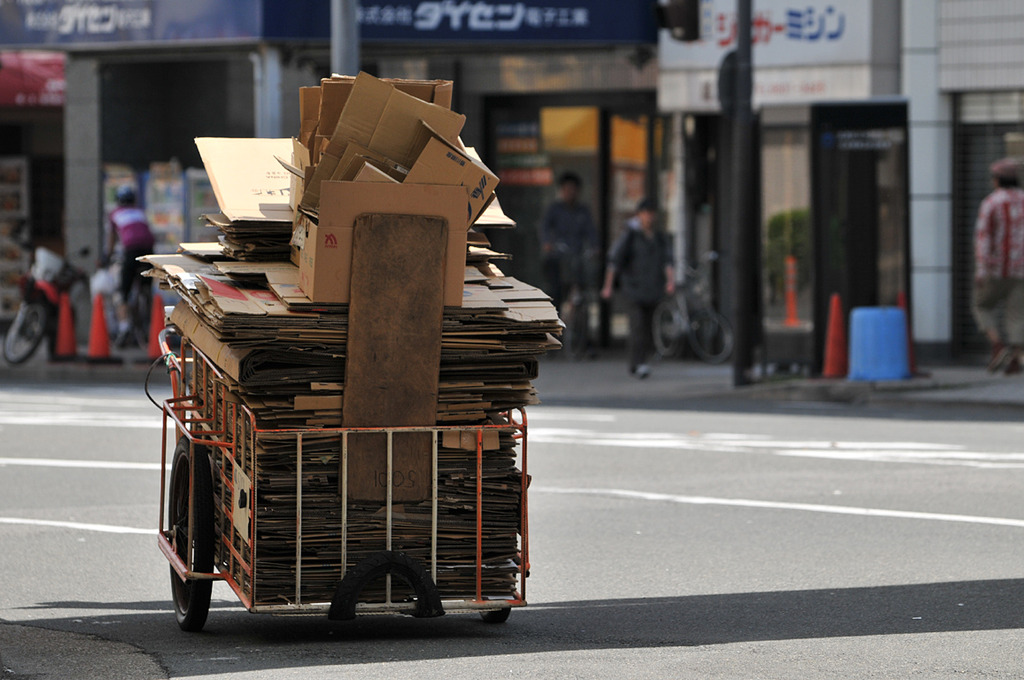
(642, 260)
(999, 267)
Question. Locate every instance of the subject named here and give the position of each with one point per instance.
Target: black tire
(711, 336)
(191, 598)
(667, 331)
(140, 312)
(26, 332)
(577, 330)
(496, 615)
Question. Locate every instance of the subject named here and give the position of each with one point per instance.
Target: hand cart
(268, 512)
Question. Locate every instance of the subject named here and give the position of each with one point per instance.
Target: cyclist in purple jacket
(129, 226)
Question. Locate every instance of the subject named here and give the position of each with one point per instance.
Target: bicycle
(139, 304)
(577, 273)
(690, 313)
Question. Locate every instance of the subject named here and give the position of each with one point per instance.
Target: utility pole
(744, 234)
(344, 37)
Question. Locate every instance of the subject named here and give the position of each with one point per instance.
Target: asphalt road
(782, 541)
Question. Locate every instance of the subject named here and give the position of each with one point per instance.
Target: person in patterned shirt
(999, 267)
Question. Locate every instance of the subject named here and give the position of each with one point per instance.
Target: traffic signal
(681, 17)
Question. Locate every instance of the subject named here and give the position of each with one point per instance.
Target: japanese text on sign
(88, 19)
(478, 15)
(808, 24)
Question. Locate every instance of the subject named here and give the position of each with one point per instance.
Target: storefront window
(990, 126)
(787, 246)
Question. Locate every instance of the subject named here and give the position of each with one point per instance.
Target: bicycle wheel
(576, 330)
(25, 333)
(139, 307)
(668, 329)
(710, 336)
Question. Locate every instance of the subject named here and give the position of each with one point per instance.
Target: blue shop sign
(545, 21)
(109, 23)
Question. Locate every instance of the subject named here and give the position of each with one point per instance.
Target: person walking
(999, 267)
(642, 260)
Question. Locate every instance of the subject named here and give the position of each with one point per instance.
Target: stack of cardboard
(255, 223)
(385, 309)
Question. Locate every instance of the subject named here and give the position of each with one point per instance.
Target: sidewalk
(678, 384)
(605, 382)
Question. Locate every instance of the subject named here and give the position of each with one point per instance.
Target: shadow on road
(266, 642)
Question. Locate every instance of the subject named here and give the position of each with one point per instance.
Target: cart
(269, 512)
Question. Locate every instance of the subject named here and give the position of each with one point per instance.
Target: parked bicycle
(690, 313)
(41, 288)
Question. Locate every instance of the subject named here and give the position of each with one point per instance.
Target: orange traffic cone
(156, 324)
(836, 359)
(66, 346)
(791, 315)
(99, 337)
(901, 302)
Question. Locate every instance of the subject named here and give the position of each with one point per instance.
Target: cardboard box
(309, 115)
(248, 181)
(335, 91)
(383, 119)
(441, 162)
(324, 250)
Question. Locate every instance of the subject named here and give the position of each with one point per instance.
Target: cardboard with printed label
(324, 250)
(441, 162)
(247, 179)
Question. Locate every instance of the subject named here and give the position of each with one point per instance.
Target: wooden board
(393, 358)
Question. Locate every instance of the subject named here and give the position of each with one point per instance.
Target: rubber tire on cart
(25, 333)
(191, 597)
(496, 615)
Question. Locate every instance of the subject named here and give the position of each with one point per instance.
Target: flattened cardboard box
(248, 181)
(325, 249)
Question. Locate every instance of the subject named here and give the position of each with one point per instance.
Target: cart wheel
(496, 615)
(191, 598)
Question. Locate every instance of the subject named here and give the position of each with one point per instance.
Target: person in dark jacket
(642, 260)
(569, 239)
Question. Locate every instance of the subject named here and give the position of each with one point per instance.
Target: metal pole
(344, 37)
(743, 207)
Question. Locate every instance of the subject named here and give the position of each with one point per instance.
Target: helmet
(1004, 168)
(125, 195)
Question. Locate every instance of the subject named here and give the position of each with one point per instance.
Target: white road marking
(81, 464)
(57, 401)
(82, 419)
(81, 526)
(879, 452)
(55, 410)
(775, 505)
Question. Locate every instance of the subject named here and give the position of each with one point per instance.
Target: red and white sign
(31, 79)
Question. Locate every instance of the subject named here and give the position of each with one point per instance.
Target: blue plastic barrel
(878, 344)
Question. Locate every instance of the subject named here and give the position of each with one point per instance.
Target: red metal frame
(207, 417)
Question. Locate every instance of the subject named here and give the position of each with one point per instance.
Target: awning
(31, 79)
